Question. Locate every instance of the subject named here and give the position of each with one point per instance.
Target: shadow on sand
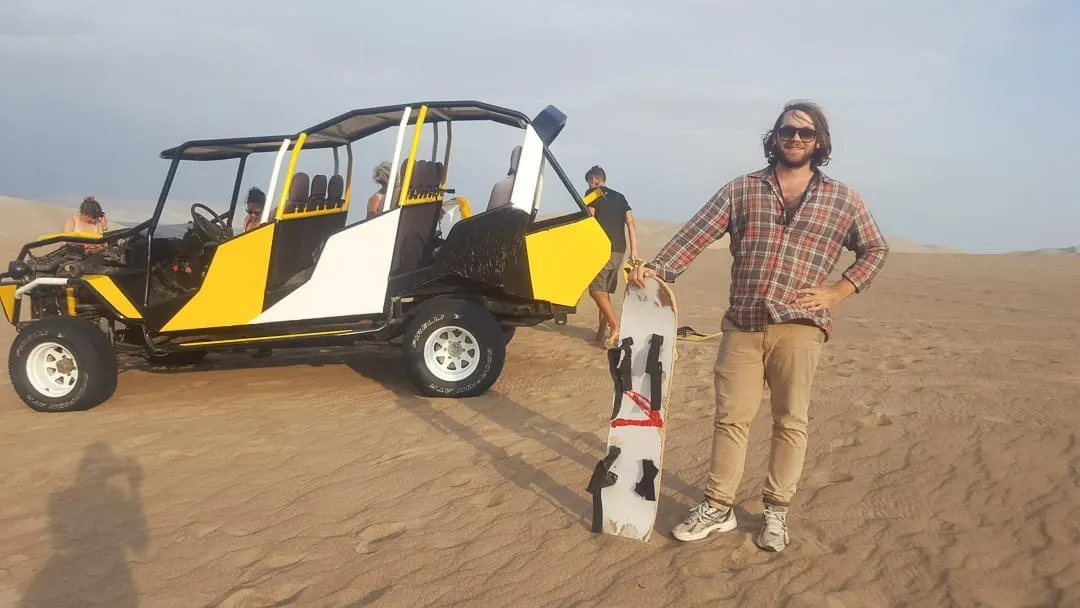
(381, 365)
(581, 333)
(578, 446)
(93, 523)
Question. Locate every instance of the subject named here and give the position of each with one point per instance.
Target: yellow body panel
(294, 215)
(7, 299)
(563, 260)
(81, 235)
(232, 292)
(107, 289)
(333, 332)
(466, 209)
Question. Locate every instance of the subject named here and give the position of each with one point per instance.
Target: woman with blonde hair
(381, 176)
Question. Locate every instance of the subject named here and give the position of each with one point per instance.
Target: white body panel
(625, 512)
(271, 190)
(350, 278)
(394, 177)
(530, 166)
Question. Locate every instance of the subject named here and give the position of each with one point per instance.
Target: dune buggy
(305, 276)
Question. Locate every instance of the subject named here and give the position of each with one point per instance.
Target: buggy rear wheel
(453, 348)
(62, 364)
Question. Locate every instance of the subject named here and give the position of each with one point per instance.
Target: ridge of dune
(28, 219)
(652, 233)
(1066, 251)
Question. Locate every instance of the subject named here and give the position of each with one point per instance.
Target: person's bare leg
(601, 322)
(607, 314)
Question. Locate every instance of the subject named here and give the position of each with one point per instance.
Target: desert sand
(942, 468)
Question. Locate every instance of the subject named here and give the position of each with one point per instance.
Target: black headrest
(318, 186)
(335, 188)
(298, 192)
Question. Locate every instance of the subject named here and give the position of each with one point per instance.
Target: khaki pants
(785, 356)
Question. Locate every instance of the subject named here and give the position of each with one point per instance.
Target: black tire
(94, 358)
(438, 318)
(508, 334)
(178, 359)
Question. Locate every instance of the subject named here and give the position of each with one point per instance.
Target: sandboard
(626, 483)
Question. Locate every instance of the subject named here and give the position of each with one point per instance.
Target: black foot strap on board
(646, 488)
(655, 368)
(602, 477)
(619, 366)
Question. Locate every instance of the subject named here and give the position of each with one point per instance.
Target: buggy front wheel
(453, 348)
(62, 364)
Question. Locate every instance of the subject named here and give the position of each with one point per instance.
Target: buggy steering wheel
(212, 230)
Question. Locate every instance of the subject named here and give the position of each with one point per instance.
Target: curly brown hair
(91, 208)
(823, 142)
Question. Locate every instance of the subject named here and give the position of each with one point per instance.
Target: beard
(793, 157)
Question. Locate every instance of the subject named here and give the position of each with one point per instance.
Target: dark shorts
(608, 277)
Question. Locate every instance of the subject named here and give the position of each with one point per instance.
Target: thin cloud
(670, 98)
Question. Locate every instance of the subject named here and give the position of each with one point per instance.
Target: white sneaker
(703, 520)
(774, 533)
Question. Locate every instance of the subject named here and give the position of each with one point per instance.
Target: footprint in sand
(487, 499)
(202, 530)
(813, 541)
(383, 532)
(461, 479)
(277, 596)
(843, 443)
(277, 562)
(875, 419)
(894, 365)
(829, 478)
(538, 457)
(373, 535)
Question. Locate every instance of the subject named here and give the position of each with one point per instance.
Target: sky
(954, 119)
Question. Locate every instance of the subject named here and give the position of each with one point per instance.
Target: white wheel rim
(451, 353)
(52, 370)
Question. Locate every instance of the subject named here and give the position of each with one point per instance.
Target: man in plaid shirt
(788, 223)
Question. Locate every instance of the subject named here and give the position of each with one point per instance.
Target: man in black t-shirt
(612, 212)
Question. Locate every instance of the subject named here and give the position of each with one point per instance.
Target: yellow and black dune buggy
(305, 276)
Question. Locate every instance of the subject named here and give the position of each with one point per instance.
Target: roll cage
(338, 134)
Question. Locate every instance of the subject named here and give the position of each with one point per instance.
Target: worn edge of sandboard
(602, 475)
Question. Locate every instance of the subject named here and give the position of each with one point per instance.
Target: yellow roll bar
(289, 176)
(348, 175)
(412, 155)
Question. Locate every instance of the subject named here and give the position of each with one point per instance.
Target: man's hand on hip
(823, 298)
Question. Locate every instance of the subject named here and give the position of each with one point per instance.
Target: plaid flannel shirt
(774, 257)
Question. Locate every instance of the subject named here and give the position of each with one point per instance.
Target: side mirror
(549, 123)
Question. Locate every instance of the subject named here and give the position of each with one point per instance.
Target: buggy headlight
(18, 270)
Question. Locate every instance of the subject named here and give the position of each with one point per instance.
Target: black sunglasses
(788, 132)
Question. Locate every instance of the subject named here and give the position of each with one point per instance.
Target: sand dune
(1053, 251)
(27, 220)
(941, 469)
